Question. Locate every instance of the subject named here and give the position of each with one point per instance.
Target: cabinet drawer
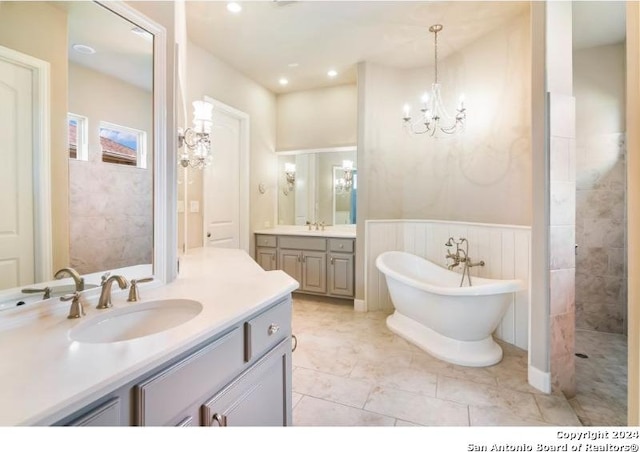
(106, 415)
(304, 243)
(266, 330)
(341, 245)
(266, 240)
(164, 395)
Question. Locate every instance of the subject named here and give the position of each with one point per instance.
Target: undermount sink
(134, 321)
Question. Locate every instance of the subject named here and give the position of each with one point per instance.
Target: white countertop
(45, 376)
(339, 231)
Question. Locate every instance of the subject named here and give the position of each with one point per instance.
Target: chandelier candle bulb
(407, 110)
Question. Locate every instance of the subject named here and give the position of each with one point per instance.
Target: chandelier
(434, 119)
(195, 142)
(345, 183)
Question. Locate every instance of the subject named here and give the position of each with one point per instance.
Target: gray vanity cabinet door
(341, 274)
(261, 396)
(290, 261)
(314, 272)
(266, 258)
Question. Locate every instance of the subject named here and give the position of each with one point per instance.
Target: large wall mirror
(83, 197)
(318, 186)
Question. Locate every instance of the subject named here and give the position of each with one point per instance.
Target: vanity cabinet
(256, 397)
(239, 377)
(266, 254)
(321, 265)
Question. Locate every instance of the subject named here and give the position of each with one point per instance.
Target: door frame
(243, 163)
(42, 228)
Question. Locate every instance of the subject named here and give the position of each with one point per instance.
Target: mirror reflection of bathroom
(98, 152)
(317, 186)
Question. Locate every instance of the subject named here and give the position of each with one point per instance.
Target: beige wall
(482, 176)
(317, 118)
(39, 29)
(216, 79)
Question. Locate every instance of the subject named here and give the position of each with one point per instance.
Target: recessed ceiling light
(234, 7)
(332, 73)
(81, 48)
(283, 81)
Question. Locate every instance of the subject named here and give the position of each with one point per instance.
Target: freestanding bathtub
(452, 323)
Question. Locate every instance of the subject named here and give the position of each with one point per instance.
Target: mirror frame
(164, 259)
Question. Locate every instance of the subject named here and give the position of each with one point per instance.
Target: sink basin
(137, 320)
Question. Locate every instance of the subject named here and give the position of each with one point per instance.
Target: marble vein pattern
(351, 370)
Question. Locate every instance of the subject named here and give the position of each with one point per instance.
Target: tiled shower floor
(350, 370)
(601, 379)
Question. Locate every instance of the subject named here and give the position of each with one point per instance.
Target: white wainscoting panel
(505, 249)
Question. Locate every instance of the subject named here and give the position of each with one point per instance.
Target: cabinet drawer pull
(341, 246)
(332, 261)
(273, 329)
(294, 339)
(220, 419)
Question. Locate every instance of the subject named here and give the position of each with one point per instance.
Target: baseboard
(359, 305)
(539, 379)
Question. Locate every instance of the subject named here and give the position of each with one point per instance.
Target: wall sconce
(195, 141)
(290, 173)
(347, 167)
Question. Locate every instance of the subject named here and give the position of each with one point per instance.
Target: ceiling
(267, 36)
(598, 23)
(119, 52)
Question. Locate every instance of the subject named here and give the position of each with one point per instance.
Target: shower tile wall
(110, 215)
(601, 274)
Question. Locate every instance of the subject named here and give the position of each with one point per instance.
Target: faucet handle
(46, 290)
(104, 278)
(134, 295)
(76, 310)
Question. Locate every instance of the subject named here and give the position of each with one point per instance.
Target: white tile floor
(350, 370)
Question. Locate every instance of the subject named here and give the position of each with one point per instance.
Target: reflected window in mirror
(78, 137)
(123, 145)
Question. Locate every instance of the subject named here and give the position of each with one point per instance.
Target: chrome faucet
(105, 295)
(461, 257)
(77, 279)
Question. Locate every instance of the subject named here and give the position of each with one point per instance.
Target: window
(77, 136)
(123, 145)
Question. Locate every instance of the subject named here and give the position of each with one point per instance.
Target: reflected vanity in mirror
(317, 186)
(94, 141)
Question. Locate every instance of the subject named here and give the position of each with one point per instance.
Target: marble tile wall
(601, 274)
(110, 215)
(562, 219)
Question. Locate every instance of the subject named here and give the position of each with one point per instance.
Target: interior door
(16, 180)
(222, 183)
